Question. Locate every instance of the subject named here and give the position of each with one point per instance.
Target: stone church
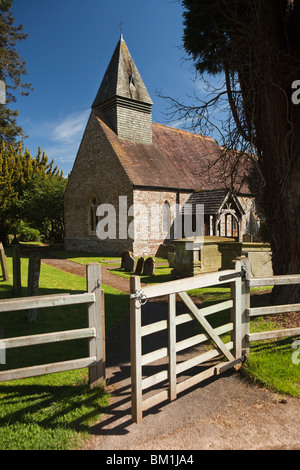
(129, 166)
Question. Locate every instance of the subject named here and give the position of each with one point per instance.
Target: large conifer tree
(256, 45)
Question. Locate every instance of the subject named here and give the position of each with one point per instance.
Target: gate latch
(228, 277)
(140, 296)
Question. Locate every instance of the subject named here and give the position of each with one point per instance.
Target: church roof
(122, 79)
(176, 159)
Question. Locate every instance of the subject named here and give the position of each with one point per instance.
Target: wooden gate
(225, 355)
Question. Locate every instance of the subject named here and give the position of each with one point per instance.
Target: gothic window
(92, 214)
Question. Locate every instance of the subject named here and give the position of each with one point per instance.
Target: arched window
(92, 214)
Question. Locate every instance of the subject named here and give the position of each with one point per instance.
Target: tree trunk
(280, 197)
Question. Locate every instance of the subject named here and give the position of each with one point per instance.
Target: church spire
(124, 98)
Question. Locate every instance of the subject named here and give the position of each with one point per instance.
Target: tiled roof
(213, 201)
(175, 159)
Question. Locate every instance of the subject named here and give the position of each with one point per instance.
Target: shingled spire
(124, 98)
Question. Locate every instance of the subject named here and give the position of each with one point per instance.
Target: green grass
(53, 411)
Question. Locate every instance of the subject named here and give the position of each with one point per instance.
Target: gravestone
(149, 267)
(128, 261)
(34, 268)
(123, 259)
(140, 265)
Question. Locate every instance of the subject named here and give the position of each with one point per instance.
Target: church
(132, 178)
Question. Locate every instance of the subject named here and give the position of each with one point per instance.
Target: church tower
(124, 99)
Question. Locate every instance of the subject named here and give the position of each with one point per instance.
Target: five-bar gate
(225, 354)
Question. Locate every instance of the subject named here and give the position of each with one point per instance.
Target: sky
(69, 46)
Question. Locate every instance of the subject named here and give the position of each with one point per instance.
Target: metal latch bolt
(140, 296)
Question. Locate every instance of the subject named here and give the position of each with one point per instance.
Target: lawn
(53, 411)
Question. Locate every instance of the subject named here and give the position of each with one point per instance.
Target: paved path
(222, 413)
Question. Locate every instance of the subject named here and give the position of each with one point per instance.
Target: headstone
(17, 287)
(124, 255)
(247, 237)
(140, 265)
(34, 268)
(128, 261)
(149, 267)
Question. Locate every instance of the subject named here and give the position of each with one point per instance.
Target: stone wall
(149, 233)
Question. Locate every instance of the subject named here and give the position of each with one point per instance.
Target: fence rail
(292, 279)
(94, 298)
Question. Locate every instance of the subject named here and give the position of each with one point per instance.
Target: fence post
(245, 305)
(136, 352)
(17, 287)
(236, 312)
(34, 269)
(95, 318)
(240, 294)
(3, 263)
(172, 346)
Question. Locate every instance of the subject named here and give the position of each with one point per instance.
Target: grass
(53, 411)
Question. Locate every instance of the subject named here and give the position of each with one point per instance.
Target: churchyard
(57, 411)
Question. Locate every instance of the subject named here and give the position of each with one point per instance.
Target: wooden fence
(270, 310)
(94, 298)
(234, 352)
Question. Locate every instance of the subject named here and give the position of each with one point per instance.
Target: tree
(42, 206)
(255, 44)
(17, 170)
(12, 70)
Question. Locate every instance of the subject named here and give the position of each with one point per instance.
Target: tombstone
(149, 267)
(124, 255)
(34, 268)
(140, 266)
(128, 263)
(247, 238)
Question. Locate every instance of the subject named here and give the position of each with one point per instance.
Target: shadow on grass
(48, 416)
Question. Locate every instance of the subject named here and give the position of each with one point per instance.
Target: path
(107, 278)
(223, 413)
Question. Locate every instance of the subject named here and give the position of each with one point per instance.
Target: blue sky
(69, 47)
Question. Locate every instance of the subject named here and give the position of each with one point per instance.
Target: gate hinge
(140, 296)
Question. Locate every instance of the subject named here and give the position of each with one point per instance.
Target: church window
(92, 214)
